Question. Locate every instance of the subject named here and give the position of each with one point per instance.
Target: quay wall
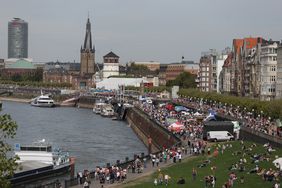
(146, 128)
(259, 137)
(86, 102)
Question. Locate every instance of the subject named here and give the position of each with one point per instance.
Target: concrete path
(134, 176)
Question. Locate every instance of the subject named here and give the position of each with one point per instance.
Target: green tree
(183, 80)
(139, 70)
(16, 78)
(8, 163)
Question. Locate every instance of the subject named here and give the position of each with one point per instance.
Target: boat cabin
(36, 148)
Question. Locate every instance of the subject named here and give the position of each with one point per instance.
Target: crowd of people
(254, 120)
(165, 115)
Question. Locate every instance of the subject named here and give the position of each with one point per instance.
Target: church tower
(87, 53)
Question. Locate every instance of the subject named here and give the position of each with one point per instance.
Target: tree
(8, 164)
(183, 80)
(139, 70)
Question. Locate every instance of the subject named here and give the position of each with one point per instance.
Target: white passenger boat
(107, 111)
(39, 160)
(98, 106)
(43, 101)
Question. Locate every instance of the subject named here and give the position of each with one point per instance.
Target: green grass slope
(222, 162)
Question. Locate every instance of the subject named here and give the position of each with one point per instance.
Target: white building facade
(268, 71)
(111, 65)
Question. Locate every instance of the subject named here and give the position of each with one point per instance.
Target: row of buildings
(87, 73)
(253, 68)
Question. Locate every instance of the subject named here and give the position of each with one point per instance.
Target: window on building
(272, 78)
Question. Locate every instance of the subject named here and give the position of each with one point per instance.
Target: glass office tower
(17, 38)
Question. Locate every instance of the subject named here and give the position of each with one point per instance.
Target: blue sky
(139, 30)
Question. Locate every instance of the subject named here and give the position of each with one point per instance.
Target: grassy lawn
(222, 163)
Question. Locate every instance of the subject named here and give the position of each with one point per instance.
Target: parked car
(219, 136)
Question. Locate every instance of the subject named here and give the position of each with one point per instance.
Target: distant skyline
(143, 30)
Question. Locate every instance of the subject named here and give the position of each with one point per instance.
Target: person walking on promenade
(144, 162)
(165, 157)
(179, 157)
(153, 160)
(157, 161)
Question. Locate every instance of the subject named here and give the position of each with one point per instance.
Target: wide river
(92, 139)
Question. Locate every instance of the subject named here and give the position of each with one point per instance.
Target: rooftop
(21, 64)
(111, 54)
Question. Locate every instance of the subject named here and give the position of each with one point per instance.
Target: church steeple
(88, 39)
(87, 53)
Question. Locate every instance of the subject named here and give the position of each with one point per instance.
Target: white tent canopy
(278, 163)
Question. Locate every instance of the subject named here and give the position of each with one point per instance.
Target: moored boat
(43, 101)
(107, 111)
(38, 161)
(98, 106)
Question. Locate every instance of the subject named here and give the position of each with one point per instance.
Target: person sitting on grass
(254, 170)
(160, 177)
(269, 175)
(242, 168)
(181, 181)
(242, 179)
(155, 181)
(261, 172)
(204, 164)
(166, 179)
(233, 167)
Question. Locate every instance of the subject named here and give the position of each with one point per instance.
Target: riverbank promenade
(131, 177)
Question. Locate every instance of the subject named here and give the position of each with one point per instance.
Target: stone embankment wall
(147, 128)
(259, 137)
(86, 102)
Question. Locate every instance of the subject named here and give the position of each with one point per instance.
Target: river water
(92, 139)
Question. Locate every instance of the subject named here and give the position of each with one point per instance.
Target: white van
(219, 136)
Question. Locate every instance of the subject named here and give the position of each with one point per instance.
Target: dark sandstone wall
(86, 102)
(259, 137)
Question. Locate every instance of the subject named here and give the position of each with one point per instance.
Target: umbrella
(181, 108)
(278, 163)
(176, 127)
(169, 107)
(170, 121)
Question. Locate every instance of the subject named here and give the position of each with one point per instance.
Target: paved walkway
(134, 176)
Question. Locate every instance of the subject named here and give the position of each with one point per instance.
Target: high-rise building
(87, 53)
(17, 38)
